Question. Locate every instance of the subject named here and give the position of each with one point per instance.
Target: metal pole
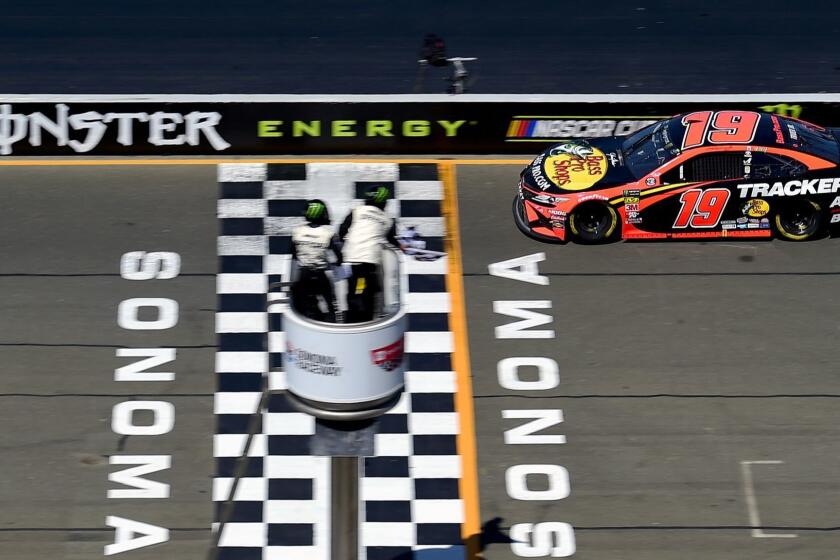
(344, 489)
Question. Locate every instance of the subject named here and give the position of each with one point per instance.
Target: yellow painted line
(468, 484)
(216, 161)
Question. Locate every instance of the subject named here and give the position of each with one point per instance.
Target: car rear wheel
(799, 220)
(594, 222)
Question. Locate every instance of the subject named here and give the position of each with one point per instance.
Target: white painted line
(276, 341)
(242, 172)
(282, 225)
(277, 381)
(242, 208)
(413, 266)
(244, 534)
(236, 402)
(296, 552)
(418, 190)
(336, 173)
(437, 511)
(435, 466)
(235, 362)
(430, 381)
(388, 533)
(430, 423)
(278, 264)
(293, 466)
(291, 511)
(288, 423)
(286, 190)
(239, 245)
(249, 489)
(418, 98)
(231, 445)
(752, 502)
(428, 302)
(240, 321)
(428, 342)
(392, 445)
(254, 283)
(375, 488)
(402, 405)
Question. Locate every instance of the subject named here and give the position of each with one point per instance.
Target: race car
(704, 174)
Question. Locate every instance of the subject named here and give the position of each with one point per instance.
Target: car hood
(579, 165)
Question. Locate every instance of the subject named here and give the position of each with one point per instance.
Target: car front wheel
(594, 222)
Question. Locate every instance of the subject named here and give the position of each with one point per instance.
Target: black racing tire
(519, 219)
(594, 222)
(798, 220)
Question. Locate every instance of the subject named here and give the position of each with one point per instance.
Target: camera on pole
(433, 54)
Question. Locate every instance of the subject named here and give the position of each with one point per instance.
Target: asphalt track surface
(64, 231)
(678, 361)
(332, 46)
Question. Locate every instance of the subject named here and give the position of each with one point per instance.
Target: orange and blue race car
(704, 174)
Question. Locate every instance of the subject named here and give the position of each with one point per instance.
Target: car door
(694, 194)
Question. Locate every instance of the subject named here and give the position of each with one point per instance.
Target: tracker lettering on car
(795, 187)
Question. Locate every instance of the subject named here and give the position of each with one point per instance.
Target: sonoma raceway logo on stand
(83, 132)
(320, 364)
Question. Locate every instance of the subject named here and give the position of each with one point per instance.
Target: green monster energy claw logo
(381, 195)
(314, 210)
(783, 109)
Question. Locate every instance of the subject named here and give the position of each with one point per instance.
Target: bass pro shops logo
(83, 132)
(574, 166)
(388, 357)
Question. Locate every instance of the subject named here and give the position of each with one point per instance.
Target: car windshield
(649, 148)
(813, 140)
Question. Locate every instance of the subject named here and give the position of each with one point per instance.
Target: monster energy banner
(507, 126)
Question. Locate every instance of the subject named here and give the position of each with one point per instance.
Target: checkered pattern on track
(409, 488)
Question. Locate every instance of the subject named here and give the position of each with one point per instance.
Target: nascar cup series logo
(574, 166)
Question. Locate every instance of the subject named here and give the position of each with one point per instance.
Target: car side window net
(713, 167)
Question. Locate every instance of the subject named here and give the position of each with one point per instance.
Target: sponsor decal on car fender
(574, 166)
(631, 206)
(755, 208)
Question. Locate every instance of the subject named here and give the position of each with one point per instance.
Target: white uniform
(366, 236)
(311, 245)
